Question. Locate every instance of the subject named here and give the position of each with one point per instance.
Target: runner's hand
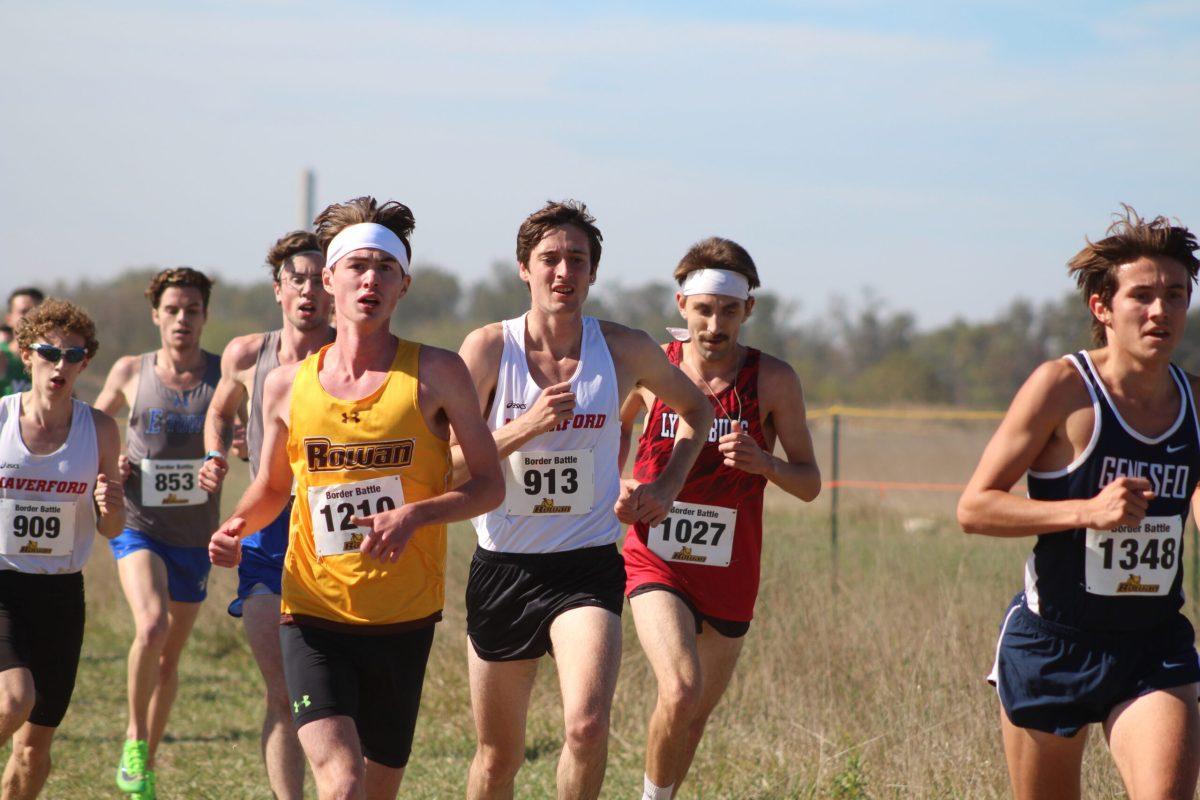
(387, 535)
(643, 502)
(212, 474)
(1122, 502)
(554, 405)
(123, 467)
(225, 546)
(742, 452)
(109, 494)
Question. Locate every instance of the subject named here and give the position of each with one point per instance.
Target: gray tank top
(165, 445)
(268, 359)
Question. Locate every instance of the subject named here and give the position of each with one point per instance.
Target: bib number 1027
(698, 532)
(695, 534)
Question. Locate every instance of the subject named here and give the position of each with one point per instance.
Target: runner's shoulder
(106, 427)
(1055, 387)
(623, 336)
(242, 352)
(279, 381)
(125, 368)
(486, 342)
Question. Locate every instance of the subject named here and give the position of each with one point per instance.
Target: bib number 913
(537, 481)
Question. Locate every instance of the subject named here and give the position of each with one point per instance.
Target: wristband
(211, 454)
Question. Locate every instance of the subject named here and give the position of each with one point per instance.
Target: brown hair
(32, 292)
(181, 277)
(287, 246)
(396, 217)
(556, 215)
(61, 315)
(717, 253)
(1129, 238)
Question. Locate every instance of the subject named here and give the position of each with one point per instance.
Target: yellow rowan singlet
(351, 458)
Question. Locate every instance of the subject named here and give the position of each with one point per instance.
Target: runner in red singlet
(693, 579)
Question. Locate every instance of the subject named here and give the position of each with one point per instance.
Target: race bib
(695, 534)
(550, 482)
(172, 482)
(36, 528)
(1134, 560)
(332, 509)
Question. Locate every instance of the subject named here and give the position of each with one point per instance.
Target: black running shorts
(729, 628)
(41, 629)
(373, 679)
(513, 597)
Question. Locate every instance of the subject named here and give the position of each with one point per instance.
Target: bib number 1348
(695, 534)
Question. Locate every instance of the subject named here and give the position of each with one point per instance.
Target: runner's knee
(499, 764)
(680, 697)
(15, 707)
(587, 731)
(151, 631)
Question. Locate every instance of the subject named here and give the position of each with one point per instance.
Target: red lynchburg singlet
(688, 548)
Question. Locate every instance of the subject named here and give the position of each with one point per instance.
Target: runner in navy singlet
(1110, 441)
(295, 262)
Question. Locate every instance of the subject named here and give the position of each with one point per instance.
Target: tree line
(861, 352)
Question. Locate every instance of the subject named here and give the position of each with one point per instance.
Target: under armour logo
(350, 417)
(296, 704)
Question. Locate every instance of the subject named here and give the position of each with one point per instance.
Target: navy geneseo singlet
(1129, 578)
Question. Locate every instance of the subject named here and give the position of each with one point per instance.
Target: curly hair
(288, 246)
(56, 315)
(396, 217)
(181, 277)
(1129, 238)
(555, 215)
(717, 253)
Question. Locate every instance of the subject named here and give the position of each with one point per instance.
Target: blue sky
(943, 157)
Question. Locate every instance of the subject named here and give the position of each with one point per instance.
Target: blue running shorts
(261, 568)
(187, 567)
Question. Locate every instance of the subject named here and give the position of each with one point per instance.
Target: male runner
(547, 577)
(56, 454)
(692, 580)
(161, 556)
(363, 427)
(295, 261)
(1110, 443)
(13, 375)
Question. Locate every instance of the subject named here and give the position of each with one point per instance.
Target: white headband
(716, 281)
(366, 235)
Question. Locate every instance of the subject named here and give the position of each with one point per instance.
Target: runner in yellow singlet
(363, 426)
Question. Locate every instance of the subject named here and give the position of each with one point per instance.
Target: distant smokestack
(308, 198)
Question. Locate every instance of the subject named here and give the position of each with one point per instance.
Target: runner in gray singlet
(295, 261)
(161, 558)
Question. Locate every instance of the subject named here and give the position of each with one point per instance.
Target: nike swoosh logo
(1175, 449)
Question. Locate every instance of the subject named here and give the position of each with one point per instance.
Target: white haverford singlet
(552, 511)
(58, 485)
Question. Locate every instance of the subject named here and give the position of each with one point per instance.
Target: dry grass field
(867, 683)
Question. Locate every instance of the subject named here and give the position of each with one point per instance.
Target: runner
(56, 454)
(1110, 445)
(363, 427)
(161, 558)
(693, 579)
(295, 261)
(547, 577)
(13, 375)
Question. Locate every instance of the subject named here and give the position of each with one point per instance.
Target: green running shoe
(131, 772)
(149, 793)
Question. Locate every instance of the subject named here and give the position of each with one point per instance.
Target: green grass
(867, 683)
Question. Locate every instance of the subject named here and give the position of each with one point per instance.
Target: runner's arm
(798, 474)
(1037, 412)
(110, 499)
(114, 396)
(482, 487)
(658, 376)
(225, 407)
(631, 410)
(268, 494)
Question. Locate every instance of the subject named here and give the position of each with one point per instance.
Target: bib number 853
(36, 527)
(174, 482)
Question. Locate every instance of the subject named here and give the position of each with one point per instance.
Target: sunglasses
(49, 352)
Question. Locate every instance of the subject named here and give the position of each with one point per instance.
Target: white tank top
(560, 486)
(47, 518)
